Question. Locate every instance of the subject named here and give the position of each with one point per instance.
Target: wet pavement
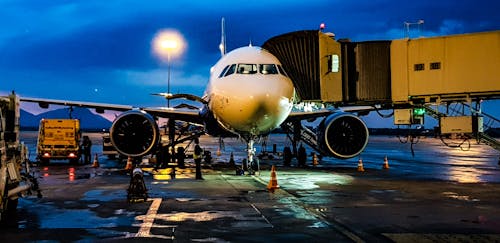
(440, 195)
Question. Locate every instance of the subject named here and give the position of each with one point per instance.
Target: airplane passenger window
(268, 69)
(247, 68)
(282, 71)
(230, 70)
(223, 71)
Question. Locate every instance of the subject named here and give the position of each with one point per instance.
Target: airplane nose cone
(257, 108)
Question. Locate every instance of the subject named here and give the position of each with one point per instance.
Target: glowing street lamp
(168, 44)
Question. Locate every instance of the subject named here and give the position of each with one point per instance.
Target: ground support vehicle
(15, 176)
(59, 139)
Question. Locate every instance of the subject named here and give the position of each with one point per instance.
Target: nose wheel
(251, 164)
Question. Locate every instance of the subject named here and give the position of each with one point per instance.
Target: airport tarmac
(441, 194)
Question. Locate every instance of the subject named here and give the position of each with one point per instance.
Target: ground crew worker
(287, 156)
(160, 157)
(302, 156)
(173, 156)
(86, 147)
(197, 158)
(181, 155)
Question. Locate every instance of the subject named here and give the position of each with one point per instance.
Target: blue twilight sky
(94, 50)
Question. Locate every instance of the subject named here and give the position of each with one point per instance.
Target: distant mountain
(28, 120)
(88, 120)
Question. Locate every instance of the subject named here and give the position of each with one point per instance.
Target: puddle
(313, 181)
(318, 225)
(199, 216)
(292, 209)
(105, 196)
(460, 197)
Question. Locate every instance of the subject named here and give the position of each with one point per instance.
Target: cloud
(61, 49)
(159, 78)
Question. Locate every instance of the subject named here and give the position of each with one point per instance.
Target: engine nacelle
(344, 135)
(134, 133)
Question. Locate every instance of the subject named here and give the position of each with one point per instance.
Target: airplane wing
(303, 115)
(188, 115)
(307, 115)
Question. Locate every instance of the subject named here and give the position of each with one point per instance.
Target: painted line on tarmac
(147, 223)
(337, 225)
(262, 215)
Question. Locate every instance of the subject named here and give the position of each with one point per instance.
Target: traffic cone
(315, 160)
(96, 162)
(386, 164)
(129, 164)
(360, 165)
(273, 182)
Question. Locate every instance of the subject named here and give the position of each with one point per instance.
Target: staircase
(489, 122)
(306, 135)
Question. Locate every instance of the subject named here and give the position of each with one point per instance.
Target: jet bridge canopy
(323, 69)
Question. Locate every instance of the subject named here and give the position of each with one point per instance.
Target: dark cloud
(81, 46)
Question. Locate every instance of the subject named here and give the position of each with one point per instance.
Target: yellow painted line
(147, 223)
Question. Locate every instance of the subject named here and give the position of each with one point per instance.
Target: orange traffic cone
(96, 162)
(360, 165)
(273, 182)
(129, 164)
(386, 164)
(315, 160)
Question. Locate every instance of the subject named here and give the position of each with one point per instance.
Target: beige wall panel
(330, 82)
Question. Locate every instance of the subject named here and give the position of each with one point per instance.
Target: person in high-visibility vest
(197, 156)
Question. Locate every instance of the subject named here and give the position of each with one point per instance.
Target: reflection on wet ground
(439, 192)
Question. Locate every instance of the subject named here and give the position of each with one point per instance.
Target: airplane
(248, 95)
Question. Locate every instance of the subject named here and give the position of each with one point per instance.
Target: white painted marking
(148, 220)
(262, 215)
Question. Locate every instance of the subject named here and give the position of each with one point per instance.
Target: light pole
(168, 44)
(419, 23)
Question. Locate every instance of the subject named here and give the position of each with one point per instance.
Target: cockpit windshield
(268, 69)
(246, 68)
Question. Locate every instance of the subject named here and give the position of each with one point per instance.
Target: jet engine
(344, 135)
(134, 133)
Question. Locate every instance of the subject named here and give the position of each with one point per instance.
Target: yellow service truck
(16, 180)
(59, 139)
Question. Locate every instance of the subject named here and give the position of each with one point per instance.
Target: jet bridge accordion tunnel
(339, 72)
(404, 71)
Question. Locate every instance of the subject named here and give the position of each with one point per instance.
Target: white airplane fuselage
(249, 92)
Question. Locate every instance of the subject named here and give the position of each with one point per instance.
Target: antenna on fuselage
(222, 45)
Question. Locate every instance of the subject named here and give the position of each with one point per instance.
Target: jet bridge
(405, 73)
(339, 72)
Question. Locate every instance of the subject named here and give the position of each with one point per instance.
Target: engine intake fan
(134, 133)
(344, 135)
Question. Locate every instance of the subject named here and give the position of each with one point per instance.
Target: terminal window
(419, 67)
(435, 65)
